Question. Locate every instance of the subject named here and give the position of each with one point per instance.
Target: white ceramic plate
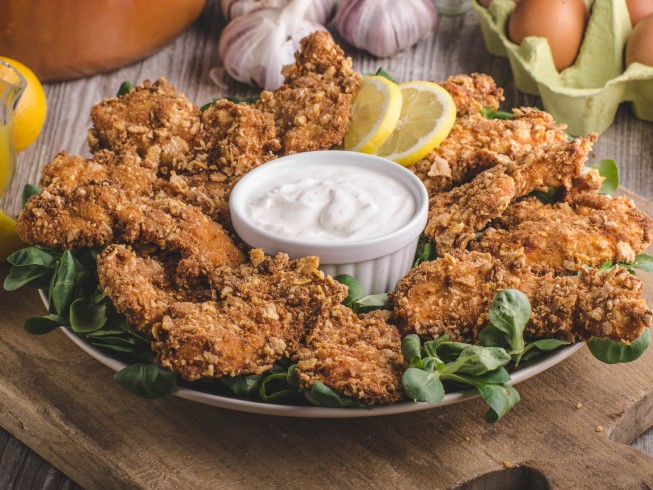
(323, 412)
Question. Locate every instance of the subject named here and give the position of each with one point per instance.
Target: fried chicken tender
(66, 172)
(455, 216)
(358, 356)
(100, 213)
(154, 119)
(452, 295)
(587, 230)
(236, 138)
(311, 109)
(461, 155)
(474, 92)
(142, 288)
(209, 191)
(172, 225)
(134, 176)
(262, 311)
(83, 217)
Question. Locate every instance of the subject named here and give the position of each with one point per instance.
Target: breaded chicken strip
(474, 92)
(133, 176)
(452, 295)
(455, 216)
(128, 171)
(209, 191)
(460, 157)
(261, 312)
(587, 230)
(311, 109)
(142, 288)
(358, 356)
(236, 138)
(154, 119)
(100, 213)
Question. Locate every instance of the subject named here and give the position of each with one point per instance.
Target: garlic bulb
(384, 27)
(320, 10)
(255, 46)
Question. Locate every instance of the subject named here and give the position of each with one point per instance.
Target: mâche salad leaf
(466, 365)
(355, 299)
(609, 170)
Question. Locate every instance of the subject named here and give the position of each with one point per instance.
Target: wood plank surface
(74, 402)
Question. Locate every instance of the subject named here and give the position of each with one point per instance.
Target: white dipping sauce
(336, 202)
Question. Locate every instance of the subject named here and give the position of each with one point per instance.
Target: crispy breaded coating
(134, 177)
(474, 92)
(587, 230)
(452, 295)
(172, 225)
(140, 287)
(153, 118)
(261, 312)
(455, 216)
(99, 214)
(460, 157)
(127, 171)
(320, 57)
(311, 109)
(83, 217)
(236, 138)
(226, 338)
(358, 356)
(209, 191)
(592, 304)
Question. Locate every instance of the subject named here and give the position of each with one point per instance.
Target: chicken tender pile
(155, 195)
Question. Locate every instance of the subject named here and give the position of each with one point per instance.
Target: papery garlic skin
(256, 46)
(385, 27)
(320, 10)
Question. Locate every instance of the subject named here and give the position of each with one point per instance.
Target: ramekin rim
(401, 236)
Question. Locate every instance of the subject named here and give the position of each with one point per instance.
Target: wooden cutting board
(65, 406)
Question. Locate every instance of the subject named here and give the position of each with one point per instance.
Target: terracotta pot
(64, 39)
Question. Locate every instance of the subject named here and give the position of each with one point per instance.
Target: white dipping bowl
(378, 263)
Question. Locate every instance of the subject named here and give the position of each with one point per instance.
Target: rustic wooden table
(456, 47)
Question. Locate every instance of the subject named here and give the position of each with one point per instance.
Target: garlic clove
(256, 46)
(319, 11)
(385, 27)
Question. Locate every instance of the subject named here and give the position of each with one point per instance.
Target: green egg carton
(586, 95)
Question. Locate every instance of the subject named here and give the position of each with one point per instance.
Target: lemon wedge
(374, 114)
(427, 115)
(9, 241)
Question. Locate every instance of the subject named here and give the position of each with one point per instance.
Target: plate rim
(261, 408)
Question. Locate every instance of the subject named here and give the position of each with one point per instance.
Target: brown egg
(639, 9)
(640, 44)
(561, 22)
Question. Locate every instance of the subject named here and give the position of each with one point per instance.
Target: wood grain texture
(396, 447)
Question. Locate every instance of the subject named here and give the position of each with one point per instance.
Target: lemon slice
(427, 115)
(374, 114)
(9, 241)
